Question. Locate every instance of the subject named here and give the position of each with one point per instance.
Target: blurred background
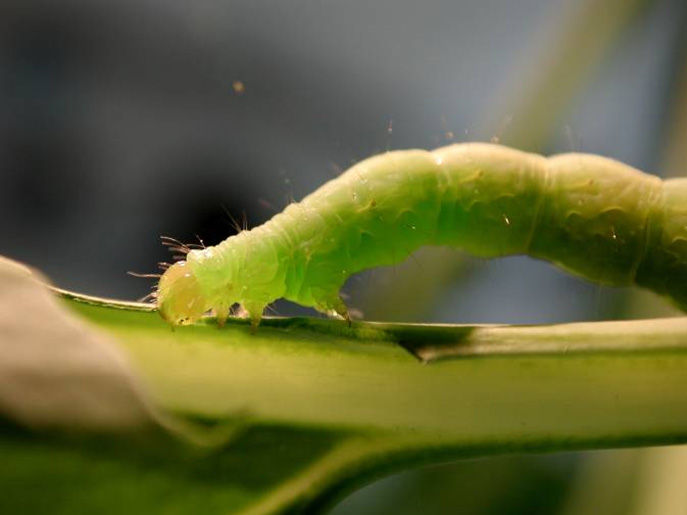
(123, 121)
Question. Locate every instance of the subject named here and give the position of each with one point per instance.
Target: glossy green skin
(592, 216)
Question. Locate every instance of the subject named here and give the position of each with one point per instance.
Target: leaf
(307, 409)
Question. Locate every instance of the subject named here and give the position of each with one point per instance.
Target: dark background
(123, 121)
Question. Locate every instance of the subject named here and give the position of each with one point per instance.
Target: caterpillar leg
(333, 305)
(254, 311)
(221, 313)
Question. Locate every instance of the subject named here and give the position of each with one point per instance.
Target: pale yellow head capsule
(179, 298)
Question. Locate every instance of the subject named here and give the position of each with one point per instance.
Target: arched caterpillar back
(590, 215)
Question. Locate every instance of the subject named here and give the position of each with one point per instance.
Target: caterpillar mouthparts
(180, 300)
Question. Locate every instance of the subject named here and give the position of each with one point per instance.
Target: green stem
(594, 382)
(381, 397)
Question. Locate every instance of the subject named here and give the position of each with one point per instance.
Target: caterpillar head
(179, 298)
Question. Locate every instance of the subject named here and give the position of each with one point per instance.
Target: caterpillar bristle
(168, 240)
(143, 276)
(175, 245)
(234, 223)
(199, 246)
(162, 265)
(272, 310)
(149, 298)
(181, 250)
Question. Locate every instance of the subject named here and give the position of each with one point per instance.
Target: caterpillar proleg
(590, 215)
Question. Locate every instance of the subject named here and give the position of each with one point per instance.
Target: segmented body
(590, 215)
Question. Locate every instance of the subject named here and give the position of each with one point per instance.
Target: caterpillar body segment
(590, 215)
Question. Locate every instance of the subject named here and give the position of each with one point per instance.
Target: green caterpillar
(590, 215)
